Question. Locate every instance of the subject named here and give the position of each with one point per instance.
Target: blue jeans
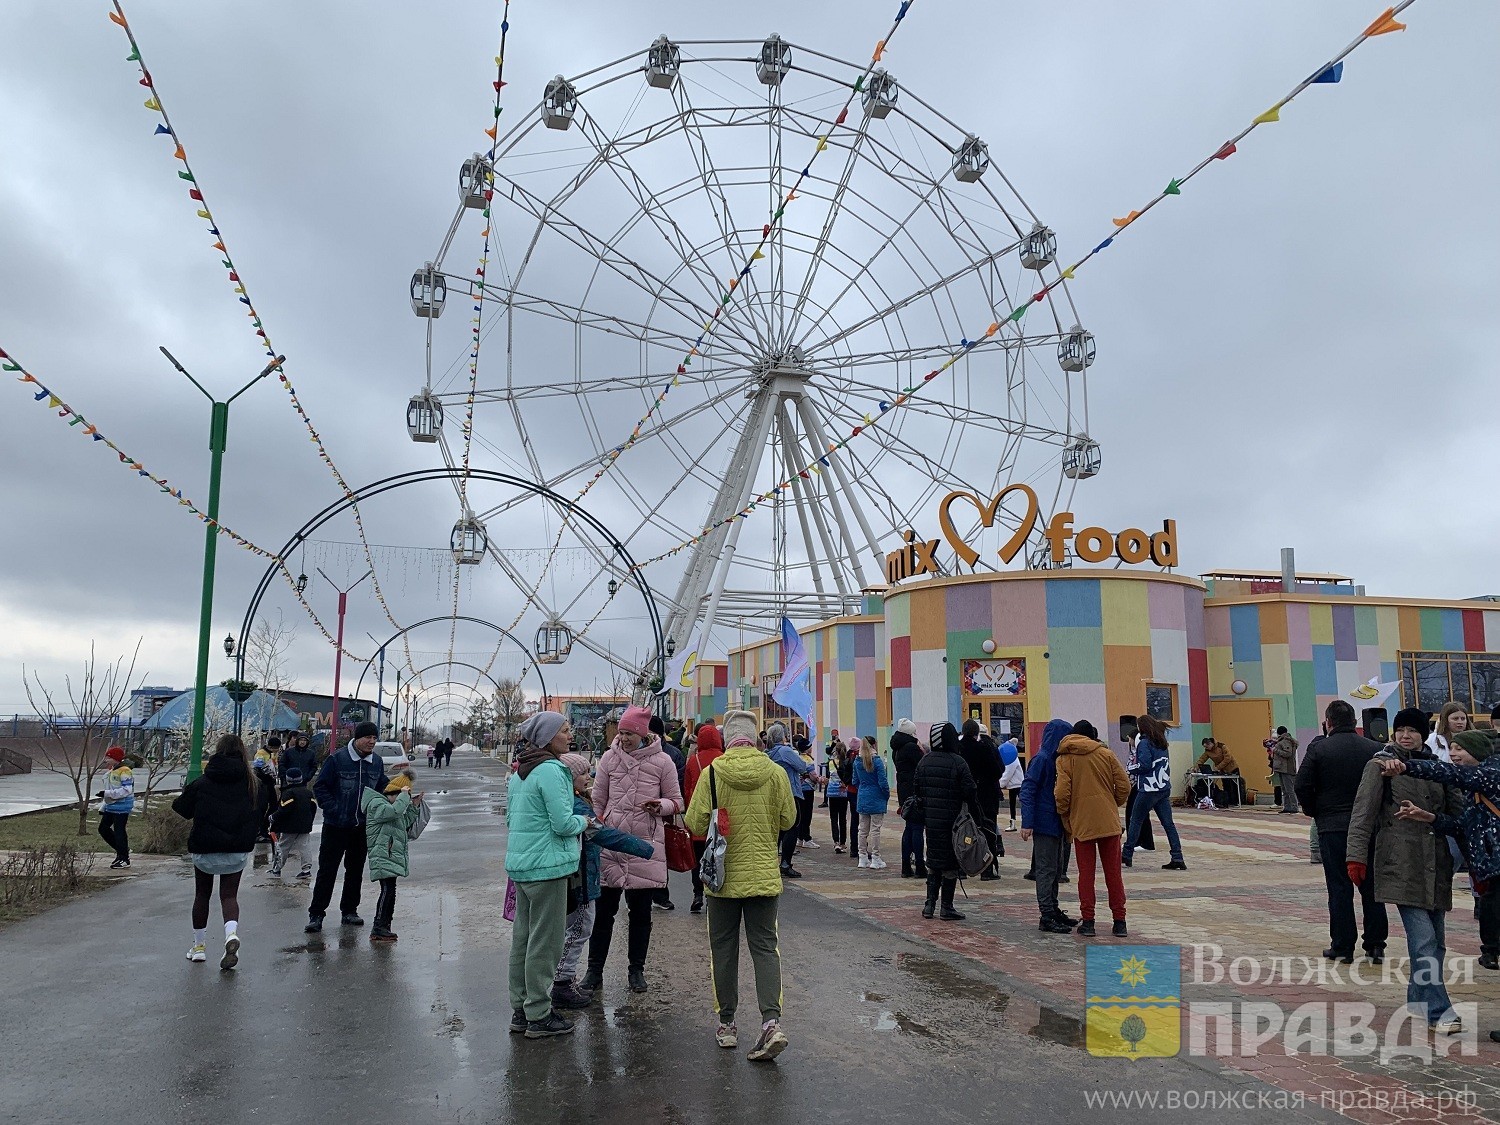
(1145, 803)
(1425, 992)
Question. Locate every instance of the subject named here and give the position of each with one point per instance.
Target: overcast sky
(1298, 351)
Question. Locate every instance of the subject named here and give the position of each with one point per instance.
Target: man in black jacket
(344, 775)
(906, 752)
(1327, 782)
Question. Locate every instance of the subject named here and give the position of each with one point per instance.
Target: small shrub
(37, 875)
(159, 830)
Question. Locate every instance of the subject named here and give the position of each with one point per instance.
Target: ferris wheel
(670, 335)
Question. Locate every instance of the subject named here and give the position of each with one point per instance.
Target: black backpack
(970, 848)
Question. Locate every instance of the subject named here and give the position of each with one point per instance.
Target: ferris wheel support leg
(801, 512)
(720, 578)
(815, 432)
(732, 496)
(805, 502)
(859, 512)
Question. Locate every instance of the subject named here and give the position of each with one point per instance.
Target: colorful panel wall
(1092, 641)
(848, 658)
(1303, 654)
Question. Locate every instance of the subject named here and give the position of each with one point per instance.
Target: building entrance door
(1242, 726)
(1005, 720)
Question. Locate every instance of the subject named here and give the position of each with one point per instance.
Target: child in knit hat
(580, 921)
(291, 825)
(388, 818)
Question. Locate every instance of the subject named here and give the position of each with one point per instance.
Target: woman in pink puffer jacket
(635, 789)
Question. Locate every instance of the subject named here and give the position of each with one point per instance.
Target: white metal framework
(620, 239)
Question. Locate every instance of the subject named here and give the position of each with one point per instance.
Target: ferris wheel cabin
(774, 62)
(429, 290)
(424, 418)
(1081, 458)
(468, 542)
(471, 181)
(1039, 248)
(1075, 352)
(971, 161)
(880, 93)
(559, 103)
(554, 641)
(663, 61)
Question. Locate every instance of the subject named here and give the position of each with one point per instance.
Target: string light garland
(1329, 73)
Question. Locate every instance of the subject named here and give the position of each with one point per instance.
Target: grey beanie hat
(541, 728)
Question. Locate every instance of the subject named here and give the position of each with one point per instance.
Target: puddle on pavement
(887, 1020)
(1018, 1013)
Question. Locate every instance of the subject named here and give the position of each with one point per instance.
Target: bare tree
(99, 702)
(509, 707)
(266, 661)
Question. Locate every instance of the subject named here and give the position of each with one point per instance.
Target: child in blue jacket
(580, 923)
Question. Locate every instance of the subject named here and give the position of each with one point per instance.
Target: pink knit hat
(636, 720)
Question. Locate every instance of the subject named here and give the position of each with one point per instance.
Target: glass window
(1432, 684)
(1161, 703)
(1408, 684)
(1458, 681)
(1486, 692)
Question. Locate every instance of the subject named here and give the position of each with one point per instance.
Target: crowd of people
(1394, 824)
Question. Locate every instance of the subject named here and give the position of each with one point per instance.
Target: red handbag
(679, 847)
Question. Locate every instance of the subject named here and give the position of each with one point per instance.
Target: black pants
(1015, 795)
(112, 832)
(385, 905)
(913, 845)
(838, 818)
(1341, 924)
(853, 824)
(346, 846)
(638, 903)
(788, 845)
(1047, 853)
(804, 816)
(991, 830)
(1489, 923)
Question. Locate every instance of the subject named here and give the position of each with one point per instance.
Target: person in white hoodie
(1452, 719)
(1012, 773)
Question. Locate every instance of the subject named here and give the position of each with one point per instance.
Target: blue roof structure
(260, 712)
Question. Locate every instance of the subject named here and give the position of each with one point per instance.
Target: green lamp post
(218, 432)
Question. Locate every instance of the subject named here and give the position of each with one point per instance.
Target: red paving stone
(1250, 890)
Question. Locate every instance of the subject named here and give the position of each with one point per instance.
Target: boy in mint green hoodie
(389, 815)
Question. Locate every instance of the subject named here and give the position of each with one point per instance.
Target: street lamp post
(338, 655)
(218, 433)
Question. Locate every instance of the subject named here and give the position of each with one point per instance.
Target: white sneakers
(727, 1036)
(231, 956)
(864, 860)
(1451, 1025)
(771, 1043)
(877, 864)
(197, 953)
(811, 844)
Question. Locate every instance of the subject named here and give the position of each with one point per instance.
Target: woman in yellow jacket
(756, 797)
(1091, 790)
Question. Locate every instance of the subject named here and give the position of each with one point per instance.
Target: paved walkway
(885, 1027)
(1251, 892)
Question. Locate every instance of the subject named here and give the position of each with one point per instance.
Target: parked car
(393, 756)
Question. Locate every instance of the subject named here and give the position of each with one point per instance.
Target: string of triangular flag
(477, 320)
(164, 127)
(53, 401)
(1329, 73)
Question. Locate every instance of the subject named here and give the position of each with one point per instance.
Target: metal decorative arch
(632, 573)
(546, 696)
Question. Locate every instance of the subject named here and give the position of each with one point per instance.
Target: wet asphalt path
(104, 1019)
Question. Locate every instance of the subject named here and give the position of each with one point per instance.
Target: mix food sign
(1090, 544)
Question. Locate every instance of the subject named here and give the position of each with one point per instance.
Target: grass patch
(49, 829)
